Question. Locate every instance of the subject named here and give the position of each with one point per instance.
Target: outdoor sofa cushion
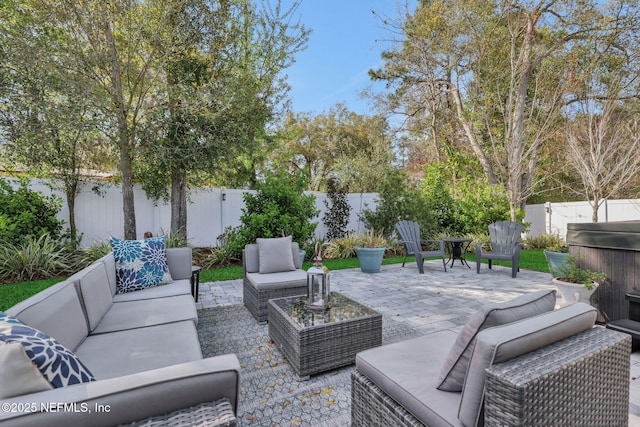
(146, 348)
(179, 263)
(104, 315)
(275, 255)
(178, 287)
(140, 314)
(57, 365)
(55, 311)
(455, 366)
(505, 342)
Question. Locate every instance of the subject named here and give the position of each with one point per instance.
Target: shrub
(342, 247)
(467, 205)
(35, 258)
(278, 208)
(174, 240)
(224, 254)
(399, 201)
(545, 241)
(435, 189)
(345, 247)
(480, 205)
(336, 218)
(24, 212)
(86, 256)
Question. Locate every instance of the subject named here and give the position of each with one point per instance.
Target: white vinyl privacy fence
(552, 218)
(209, 212)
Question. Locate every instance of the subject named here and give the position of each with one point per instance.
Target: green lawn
(11, 294)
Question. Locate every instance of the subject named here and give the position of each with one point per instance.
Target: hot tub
(614, 249)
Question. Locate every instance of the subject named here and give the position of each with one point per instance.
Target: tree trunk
(471, 136)
(71, 191)
(179, 203)
(517, 181)
(128, 207)
(123, 138)
(595, 205)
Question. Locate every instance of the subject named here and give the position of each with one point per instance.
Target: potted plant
(575, 283)
(370, 252)
(556, 256)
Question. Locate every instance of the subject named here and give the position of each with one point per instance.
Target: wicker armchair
(258, 288)
(582, 380)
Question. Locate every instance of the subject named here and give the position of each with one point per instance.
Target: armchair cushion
(455, 367)
(275, 255)
(505, 342)
(57, 364)
(408, 372)
(140, 263)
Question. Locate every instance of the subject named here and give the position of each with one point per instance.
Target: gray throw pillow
(455, 366)
(275, 255)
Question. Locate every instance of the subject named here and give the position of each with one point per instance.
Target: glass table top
(340, 309)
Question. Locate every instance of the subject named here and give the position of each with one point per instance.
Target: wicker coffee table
(317, 342)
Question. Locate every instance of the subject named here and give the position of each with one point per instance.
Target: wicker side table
(318, 342)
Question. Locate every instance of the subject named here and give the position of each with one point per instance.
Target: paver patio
(427, 303)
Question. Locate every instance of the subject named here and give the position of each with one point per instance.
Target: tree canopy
(177, 86)
(517, 98)
(494, 78)
(339, 143)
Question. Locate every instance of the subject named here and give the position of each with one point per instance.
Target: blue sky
(345, 42)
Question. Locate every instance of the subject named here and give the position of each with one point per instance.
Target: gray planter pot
(555, 260)
(370, 259)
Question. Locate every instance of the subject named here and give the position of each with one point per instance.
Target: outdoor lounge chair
(271, 269)
(409, 233)
(504, 245)
(551, 368)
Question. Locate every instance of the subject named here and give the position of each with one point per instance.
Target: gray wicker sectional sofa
(141, 349)
(510, 365)
(271, 269)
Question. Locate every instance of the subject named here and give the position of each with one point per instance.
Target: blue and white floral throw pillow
(140, 264)
(58, 365)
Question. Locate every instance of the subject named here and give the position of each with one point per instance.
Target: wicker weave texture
(581, 381)
(256, 300)
(208, 414)
(372, 407)
(314, 349)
